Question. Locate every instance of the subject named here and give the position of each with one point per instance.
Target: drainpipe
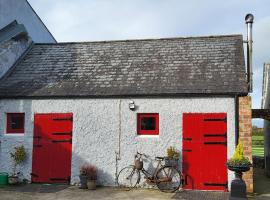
(236, 100)
(249, 21)
(118, 151)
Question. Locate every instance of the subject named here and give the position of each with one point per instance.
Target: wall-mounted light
(131, 105)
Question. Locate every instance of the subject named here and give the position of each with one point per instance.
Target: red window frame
(140, 131)
(11, 130)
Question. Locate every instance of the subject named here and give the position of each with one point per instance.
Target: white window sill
(13, 134)
(148, 136)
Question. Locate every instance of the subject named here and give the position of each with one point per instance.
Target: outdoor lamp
(132, 105)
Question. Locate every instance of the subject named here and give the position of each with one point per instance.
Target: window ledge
(148, 136)
(13, 134)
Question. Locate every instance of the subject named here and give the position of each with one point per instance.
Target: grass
(257, 143)
(257, 151)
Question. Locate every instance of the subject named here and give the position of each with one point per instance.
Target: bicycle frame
(150, 177)
(148, 174)
(163, 175)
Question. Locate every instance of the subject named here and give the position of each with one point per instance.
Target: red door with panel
(52, 148)
(205, 151)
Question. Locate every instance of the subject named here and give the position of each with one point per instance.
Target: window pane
(17, 122)
(148, 123)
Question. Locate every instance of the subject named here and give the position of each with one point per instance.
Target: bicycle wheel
(128, 177)
(168, 179)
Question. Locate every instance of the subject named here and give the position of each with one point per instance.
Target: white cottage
(71, 103)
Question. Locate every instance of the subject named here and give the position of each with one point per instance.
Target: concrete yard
(64, 192)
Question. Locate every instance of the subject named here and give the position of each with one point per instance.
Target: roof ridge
(146, 39)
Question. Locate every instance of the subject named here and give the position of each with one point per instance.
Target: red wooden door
(205, 151)
(52, 147)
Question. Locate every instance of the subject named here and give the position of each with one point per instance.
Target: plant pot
(238, 169)
(91, 184)
(83, 181)
(13, 180)
(171, 162)
(238, 186)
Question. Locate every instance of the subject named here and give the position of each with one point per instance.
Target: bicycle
(167, 178)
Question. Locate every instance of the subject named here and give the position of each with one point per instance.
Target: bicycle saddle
(160, 158)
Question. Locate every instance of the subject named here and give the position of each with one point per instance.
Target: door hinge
(225, 185)
(188, 139)
(215, 135)
(37, 145)
(210, 143)
(64, 133)
(58, 141)
(187, 150)
(216, 119)
(63, 119)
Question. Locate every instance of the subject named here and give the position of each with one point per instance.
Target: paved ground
(261, 185)
(64, 192)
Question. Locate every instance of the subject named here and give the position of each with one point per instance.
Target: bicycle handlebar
(140, 154)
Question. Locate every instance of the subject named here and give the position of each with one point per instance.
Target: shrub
(89, 170)
(172, 153)
(238, 158)
(18, 156)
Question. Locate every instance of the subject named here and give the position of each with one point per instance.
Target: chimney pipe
(249, 21)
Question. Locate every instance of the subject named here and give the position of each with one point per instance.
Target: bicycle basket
(138, 164)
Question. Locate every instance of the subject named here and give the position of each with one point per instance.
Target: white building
(23, 13)
(69, 103)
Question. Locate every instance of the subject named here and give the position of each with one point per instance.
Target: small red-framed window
(15, 123)
(147, 124)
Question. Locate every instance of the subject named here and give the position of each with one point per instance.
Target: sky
(92, 20)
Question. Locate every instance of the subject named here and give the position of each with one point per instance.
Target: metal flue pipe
(249, 21)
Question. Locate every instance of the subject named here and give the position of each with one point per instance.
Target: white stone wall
(98, 123)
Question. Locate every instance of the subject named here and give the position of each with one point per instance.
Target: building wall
(266, 105)
(245, 135)
(10, 52)
(103, 128)
(21, 11)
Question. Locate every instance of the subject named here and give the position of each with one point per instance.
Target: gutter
(168, 95)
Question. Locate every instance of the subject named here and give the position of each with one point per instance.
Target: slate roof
(172, 66)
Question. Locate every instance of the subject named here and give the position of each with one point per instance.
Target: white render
(98, 124)
(21, 11)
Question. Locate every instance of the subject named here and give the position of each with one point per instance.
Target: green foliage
(238, 158)
(19, 155)
(257, 131)
(172, 153)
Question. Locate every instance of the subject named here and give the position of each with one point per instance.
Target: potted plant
(88, 176)
(18, 157)
(239, 164)
(172, 157)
